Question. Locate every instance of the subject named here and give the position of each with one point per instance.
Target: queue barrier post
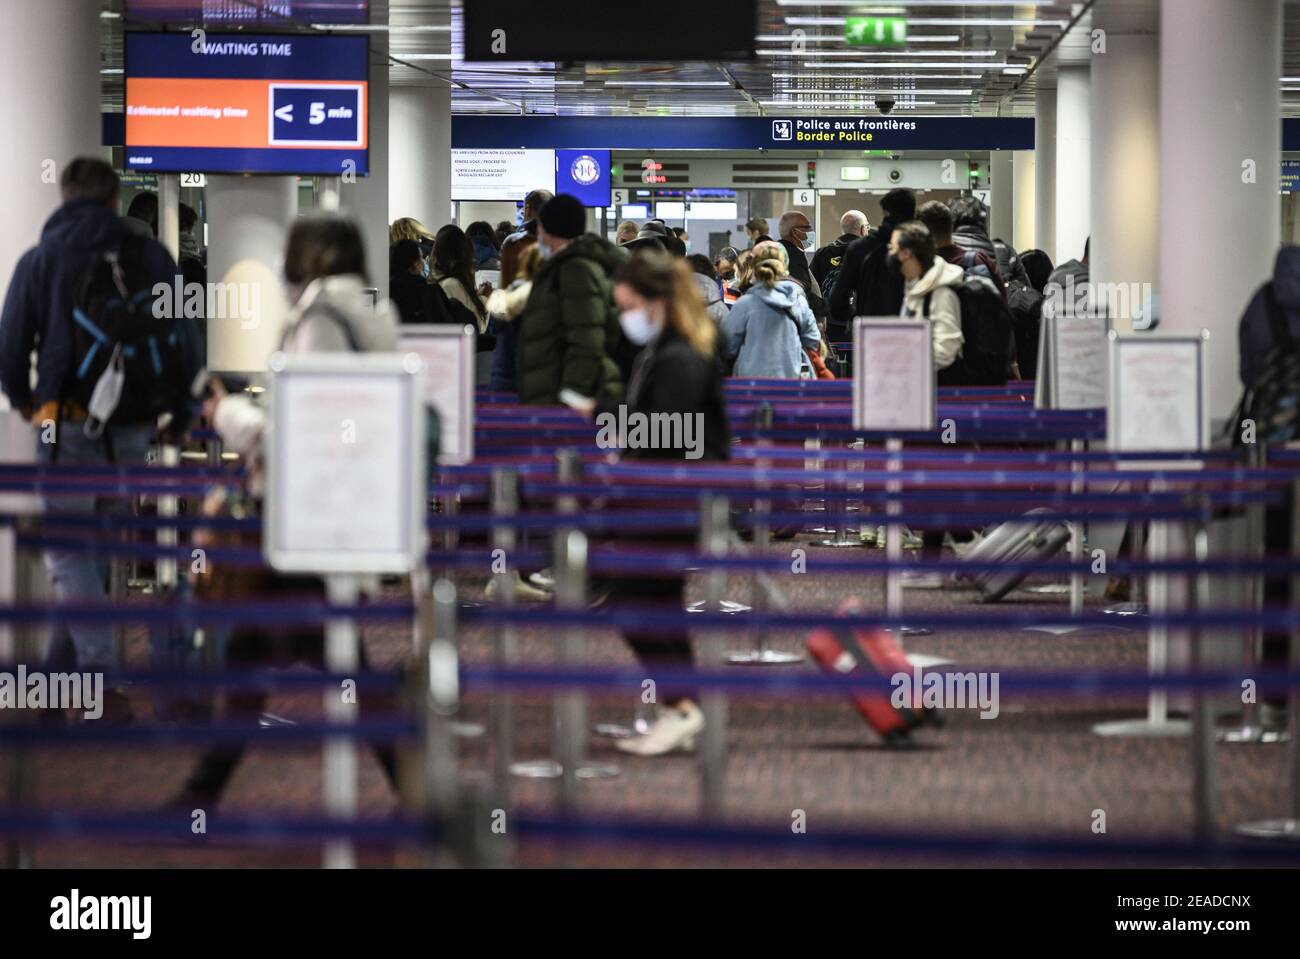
(339, 779)
(1204, 778)
(1251, 729)
(14, 853)
(504, 505)
(568, 470)
(762, 655)
(714, 518)
(440, 669)
(1288, 826)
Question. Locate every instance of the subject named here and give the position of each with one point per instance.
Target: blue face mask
(425, 269)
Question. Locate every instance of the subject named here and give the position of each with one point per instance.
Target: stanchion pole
(15, 854)
(342, 656)
(893, 536)
(570, 705)
(505, 505)
(1076, 532)
(1288, 827)
(762, 655)
(1251, 728)
(1157, 721)
(1203, 766)
(568, 471)
(713, 702)
(442, 684)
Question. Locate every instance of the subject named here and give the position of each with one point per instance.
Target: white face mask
(637, 326)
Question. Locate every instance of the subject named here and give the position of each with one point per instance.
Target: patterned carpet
(1036, 770)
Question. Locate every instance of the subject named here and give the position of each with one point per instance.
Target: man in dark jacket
(938, 220)
(970, 232)
(38, 315)
(515, 244)
(569, 329)
(853, 226)
(1255, 333)
(865, 286)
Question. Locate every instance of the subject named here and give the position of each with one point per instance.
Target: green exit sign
(875, 31)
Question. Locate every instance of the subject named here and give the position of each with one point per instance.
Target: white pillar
(249, 219)
(419, 140)
(1002, 195)
(365, 199)
(1045, 171)
(50, 112)
(1220, 152)
(1024, 234)
(1073, 158)
(1126, 173)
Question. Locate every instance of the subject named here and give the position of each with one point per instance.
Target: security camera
(895, 175)
(885, 105)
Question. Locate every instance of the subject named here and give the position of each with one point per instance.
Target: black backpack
(1273, 400)
(113, 322)
(1026, 305)
(986, 333)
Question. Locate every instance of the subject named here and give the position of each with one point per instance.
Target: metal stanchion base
(1144, 727)
(614, 731)
(726, 606)
(467, 730)
(272, 721)
(912, 631)
(550, 769)
(762, 657)
(1250, 734)
(1271, 829)
(926, 661)
(1049, 589)
(1126, 609)
(854, 543)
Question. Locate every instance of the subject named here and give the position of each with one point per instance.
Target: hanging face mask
(637, 326)
(105, 397)
(425, 268)
(545, 251)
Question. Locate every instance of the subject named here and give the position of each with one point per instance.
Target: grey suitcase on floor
(1037, 537)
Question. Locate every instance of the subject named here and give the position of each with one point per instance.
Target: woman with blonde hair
(676, 378)
(409, 228)
(771, 325)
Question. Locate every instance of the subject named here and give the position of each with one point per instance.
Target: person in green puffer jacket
(569, 335)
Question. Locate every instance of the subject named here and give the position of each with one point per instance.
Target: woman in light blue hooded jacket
(771, 325)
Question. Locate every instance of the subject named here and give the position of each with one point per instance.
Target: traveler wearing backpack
(930, 288)
(865, 287)
(970, 232)
(83, 299)
(771, 330)
(569, 333)
(938, 220)
(827, 261)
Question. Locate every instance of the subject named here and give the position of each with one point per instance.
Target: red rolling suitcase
(858, 652)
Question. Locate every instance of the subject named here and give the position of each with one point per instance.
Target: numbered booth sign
(893, 374)
(1157, 392)
(448, 356)
(346, 471)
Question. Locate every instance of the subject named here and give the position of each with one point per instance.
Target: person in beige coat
(928, 276)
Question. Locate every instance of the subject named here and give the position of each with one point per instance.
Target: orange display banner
(164, 112)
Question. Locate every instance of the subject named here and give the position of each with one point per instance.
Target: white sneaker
(917, 579)
(675, 727)
(544, 579)
(523, 593)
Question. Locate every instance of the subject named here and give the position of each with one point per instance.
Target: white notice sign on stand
(1157, 392)
(1079, 356)
(346, 473)
(448, 355)
(893, 374)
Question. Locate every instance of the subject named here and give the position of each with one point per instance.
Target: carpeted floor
(1036, 770)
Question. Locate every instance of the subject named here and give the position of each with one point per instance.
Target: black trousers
(257, 648)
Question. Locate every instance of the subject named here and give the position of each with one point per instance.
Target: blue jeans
(77, 575)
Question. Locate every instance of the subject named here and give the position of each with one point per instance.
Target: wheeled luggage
(1038, 536)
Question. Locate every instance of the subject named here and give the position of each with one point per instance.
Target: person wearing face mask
(795, 229)
(676, 373)
(416, 299)
(568, 333)
(770, 326)
(928, 288)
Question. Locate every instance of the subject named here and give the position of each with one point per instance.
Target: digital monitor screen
(247, 103)
(500, 174)
(583, 174)
(261, 13)
(635, 211)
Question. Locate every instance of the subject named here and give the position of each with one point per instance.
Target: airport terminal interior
(761, 433)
